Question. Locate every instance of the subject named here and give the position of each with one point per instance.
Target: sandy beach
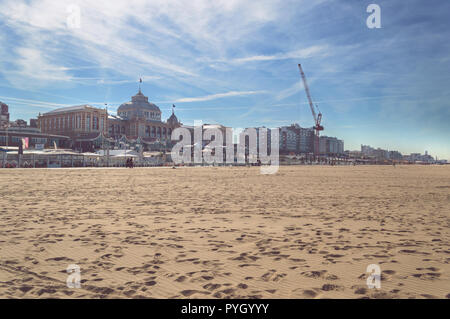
(305, 232)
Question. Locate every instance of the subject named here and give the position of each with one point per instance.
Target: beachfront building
(14, 136)
(141, 119)
(264, 133)
(331, 146)
(419, 158)
(137, 122)
(380, 154)
(18, 132)
(296, 139)
(4, 115)
(305, 138)
(288, 140)
(82, 123)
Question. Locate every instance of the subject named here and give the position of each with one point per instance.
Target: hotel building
(137, 121)
(140, 118)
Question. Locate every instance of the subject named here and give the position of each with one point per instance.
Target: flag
(25, 142)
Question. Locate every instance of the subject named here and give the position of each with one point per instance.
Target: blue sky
(235, 63)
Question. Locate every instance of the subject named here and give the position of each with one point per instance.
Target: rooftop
(72, 109)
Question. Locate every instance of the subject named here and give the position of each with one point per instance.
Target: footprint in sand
(323, 274)
(360, 291)
(25, 289)
(272, 275)
(309, 293)
(427, 276)
(211, 286)
(181, 279)
(383, 295)
(190, 292)
(150, 283)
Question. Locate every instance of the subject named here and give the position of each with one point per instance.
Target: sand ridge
(305, 232)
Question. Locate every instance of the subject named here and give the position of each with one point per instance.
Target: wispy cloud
(218, 96)
(316, 50)
(36, 103)
(293, 89)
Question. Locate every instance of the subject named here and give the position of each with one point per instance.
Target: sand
(306, 232)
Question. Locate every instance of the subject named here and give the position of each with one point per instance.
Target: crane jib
(311, 105)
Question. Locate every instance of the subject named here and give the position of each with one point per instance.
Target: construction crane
(317, 117)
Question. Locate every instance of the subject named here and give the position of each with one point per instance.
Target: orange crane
(317, 117)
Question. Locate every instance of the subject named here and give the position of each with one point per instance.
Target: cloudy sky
(235, 63)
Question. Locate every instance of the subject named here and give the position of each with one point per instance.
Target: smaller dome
(172, 119)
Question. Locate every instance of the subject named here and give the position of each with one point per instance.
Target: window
(16, 139)
(88, 123)
(38, 140)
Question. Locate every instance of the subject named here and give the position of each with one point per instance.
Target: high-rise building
(340, 147)
(331, 146)
(288, 140)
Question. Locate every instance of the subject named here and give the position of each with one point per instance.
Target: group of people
(130, 163)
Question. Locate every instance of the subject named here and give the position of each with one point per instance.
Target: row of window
(149, 131)
(73, 122)
(18, 139)
(149, 115)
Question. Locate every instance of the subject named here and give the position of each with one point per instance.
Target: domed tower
(173, 120)
(139, 108)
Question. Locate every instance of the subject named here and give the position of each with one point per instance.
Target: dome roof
(139, 101)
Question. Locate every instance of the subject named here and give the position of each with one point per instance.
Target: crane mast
(317, 117)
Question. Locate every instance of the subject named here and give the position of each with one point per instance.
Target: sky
(235, 63)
